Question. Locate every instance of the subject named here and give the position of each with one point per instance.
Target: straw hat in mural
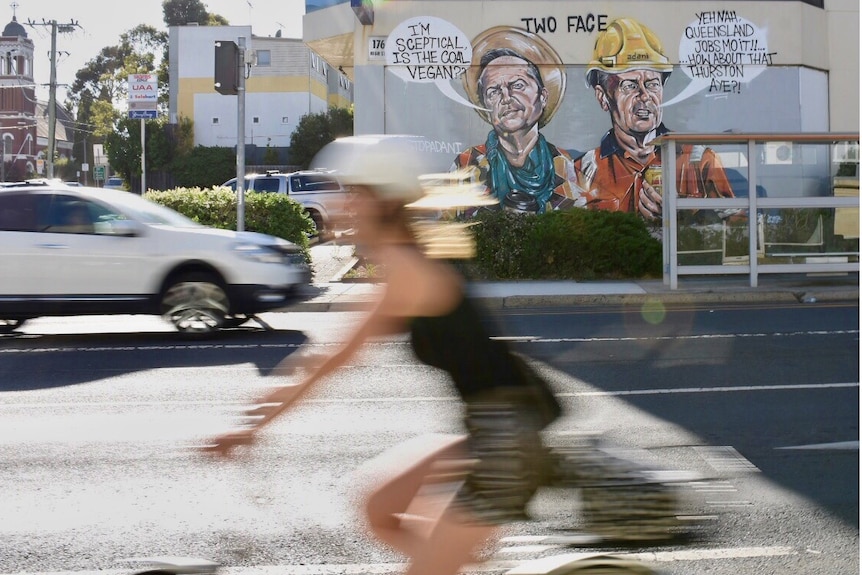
(530, 47)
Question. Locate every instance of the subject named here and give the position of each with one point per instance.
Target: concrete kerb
(331, 292)
(359, 296)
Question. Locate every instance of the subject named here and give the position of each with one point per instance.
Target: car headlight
(259, 253)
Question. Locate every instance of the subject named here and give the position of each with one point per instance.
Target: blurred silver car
(78, 250)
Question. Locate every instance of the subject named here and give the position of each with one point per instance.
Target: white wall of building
(277, 117)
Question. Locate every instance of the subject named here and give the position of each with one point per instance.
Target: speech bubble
(429, 49)
(721, 51)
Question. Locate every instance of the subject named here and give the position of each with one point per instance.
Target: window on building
(285, 120)
(255, 120)
(215, 121)
(264, 58)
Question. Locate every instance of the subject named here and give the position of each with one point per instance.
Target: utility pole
(52, 85)
(240, 138)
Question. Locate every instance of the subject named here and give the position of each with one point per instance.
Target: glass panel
(794, 169)
(715, 171)
(735, 247)
(791, 233)
(314, 182)
(845, 175)
(712, 237)
(267, 185)
(18, 212)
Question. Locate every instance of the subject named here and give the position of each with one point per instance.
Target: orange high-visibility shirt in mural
(613, 180)
(547, 180)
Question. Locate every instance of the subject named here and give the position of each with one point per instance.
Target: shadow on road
(742, 392)
(30, 362)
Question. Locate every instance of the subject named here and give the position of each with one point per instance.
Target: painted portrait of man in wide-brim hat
(530, 48)
(517, 81)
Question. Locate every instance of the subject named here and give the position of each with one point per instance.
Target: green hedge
(273, 214)
(573, 244)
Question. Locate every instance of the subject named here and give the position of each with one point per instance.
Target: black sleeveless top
(459, 344)
(479, 366)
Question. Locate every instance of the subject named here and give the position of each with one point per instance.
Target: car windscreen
(313, 183)
(145, 211)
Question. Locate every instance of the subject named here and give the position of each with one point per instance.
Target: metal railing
(791, 178)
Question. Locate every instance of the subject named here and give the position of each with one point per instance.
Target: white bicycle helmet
(389, 164)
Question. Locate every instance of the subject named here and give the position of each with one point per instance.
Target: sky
(102, 21)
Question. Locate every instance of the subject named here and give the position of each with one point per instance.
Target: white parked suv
(75, 250)
(320, 193)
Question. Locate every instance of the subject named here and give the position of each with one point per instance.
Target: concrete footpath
(332, 292)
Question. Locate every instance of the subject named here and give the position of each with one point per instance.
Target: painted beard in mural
(518, 95)
(627, 74)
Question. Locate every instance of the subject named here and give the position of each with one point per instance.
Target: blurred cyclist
(506, 406)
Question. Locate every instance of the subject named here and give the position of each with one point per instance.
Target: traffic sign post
(143, 103)
(99, 172)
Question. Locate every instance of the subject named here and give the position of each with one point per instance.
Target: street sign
(143, 88)
(143, 114)
(99, 172)
(143, 105)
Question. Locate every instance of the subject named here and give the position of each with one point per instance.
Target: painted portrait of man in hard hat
(627, 73)
(516, 81)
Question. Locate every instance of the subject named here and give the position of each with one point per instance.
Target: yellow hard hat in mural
(528, 46)
(625, 45)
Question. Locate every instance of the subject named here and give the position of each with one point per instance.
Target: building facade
(285, 81)
(567, 104)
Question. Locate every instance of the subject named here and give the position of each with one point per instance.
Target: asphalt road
(98, 417)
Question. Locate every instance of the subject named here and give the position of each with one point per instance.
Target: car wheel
(196, 304)
(319, 227)
(10, 325)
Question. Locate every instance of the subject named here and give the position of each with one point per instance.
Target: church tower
(17, 103)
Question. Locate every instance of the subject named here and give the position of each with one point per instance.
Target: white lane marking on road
(533, 339)
(420, 399)
(487, 567)
(719, 389)
(712, 486)
(404, 342)
(704, 554)
(525, 549)
(837, 445)
(724, 458)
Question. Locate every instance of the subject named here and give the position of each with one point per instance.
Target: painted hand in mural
(649, 202)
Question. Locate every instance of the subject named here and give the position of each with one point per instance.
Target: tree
(100, 88)
(204, 167)
(182, 12)
(315, 131)
(270, 156)
(99, 92)
(123, 147)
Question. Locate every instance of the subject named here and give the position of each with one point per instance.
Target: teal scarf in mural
(536, 177)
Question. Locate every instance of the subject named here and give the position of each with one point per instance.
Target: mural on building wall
(516, 82)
